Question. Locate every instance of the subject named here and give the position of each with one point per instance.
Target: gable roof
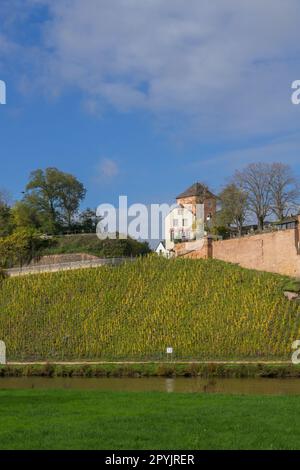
(197, 189)
(163, 243)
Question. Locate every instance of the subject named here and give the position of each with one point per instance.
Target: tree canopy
(52, 199)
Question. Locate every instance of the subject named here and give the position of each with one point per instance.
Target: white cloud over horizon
(219, 69)
(285, 150)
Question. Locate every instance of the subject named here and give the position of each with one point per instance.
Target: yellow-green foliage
(203, 309)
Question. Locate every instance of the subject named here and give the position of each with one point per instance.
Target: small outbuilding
(161, 250)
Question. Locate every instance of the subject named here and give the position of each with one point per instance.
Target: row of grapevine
(203, 309)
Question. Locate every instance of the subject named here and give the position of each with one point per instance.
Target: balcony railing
(181, 236)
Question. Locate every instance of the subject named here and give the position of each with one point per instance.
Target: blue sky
(145, 98)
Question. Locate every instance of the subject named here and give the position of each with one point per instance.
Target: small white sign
(169, 350)
(2, 353)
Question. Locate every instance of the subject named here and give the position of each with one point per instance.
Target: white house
(179, 226)
(186, 222)
(161, 250)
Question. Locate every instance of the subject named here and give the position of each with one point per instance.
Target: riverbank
(227, 386)
(152, 369)
(68, 419)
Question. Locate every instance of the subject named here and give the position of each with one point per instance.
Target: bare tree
(285, 190)
(255, 181)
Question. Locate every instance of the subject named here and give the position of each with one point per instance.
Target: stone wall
(63, 258)
(196, 249)
(277, 252)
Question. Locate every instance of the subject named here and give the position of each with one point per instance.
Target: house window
(184, 222)
(175, 222)
(180, 211)
(172, 235)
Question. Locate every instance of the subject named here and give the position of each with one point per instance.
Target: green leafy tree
(70, 194)
(56, 196)
(6, 224)
(88, 220)
(20, 247)
(42, 191)
(2, 275)
(234, 206)
(25, 215)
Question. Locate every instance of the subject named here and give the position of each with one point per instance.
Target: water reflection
(169, 385)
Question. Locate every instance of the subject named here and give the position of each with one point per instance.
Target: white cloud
(284, 150)
(106, 169)
(221, 68)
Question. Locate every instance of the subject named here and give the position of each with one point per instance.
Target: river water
(259, 386)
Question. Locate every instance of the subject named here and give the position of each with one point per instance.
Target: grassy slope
(204, 309)
(107, 420)
(90, 243)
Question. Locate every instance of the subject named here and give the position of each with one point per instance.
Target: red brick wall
(277, 252)
(210, 204)
(274, 252)
(191, 250)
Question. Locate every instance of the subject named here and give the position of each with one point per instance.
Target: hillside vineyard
(203, 309)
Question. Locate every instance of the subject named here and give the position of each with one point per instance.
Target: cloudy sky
(145, 97)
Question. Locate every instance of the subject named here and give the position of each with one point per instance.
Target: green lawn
(36, 419)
